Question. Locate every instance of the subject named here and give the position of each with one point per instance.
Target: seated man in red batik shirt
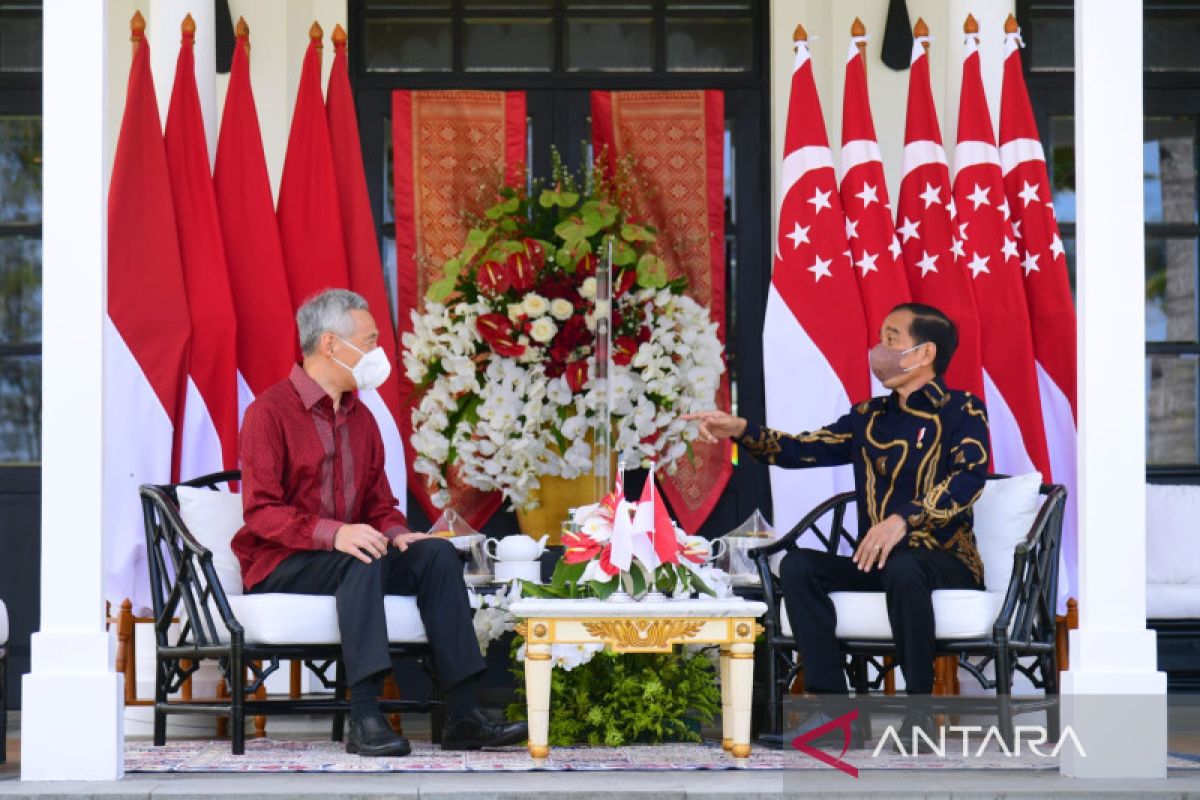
(320, 518)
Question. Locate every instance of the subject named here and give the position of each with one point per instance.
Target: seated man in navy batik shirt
(920, 460)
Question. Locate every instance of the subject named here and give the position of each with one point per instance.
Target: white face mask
(371, 370)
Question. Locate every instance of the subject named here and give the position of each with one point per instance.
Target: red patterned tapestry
(676, 141)
(448, 146)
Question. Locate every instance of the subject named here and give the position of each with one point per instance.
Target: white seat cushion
(3, 623)
(1004, 514)
(1173, 601)
(957, 613)
(312, 619)
(213, 518)
(1172, 547)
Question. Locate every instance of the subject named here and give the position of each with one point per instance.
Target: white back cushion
(213, 518)
(1004, 514)
(1172, 544)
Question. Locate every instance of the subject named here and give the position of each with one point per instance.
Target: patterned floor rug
(272, 756)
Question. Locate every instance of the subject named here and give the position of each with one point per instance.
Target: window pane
(1171, 42)
(20, 410)
(1171, 409)
(1169, 155)
(408, 5)
(20, 290)
(523, 45)
(21, 43)
(389, 276)
(712, 45)
(610, 45)
(408, 45)
(1171, 270)
(20, 170)
(708, 5)
(1051, 44)
(1062, 167)
(506, 5)
(609, 5)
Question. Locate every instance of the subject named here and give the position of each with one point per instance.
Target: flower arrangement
(503, 357)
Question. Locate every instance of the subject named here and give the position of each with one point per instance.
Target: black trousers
(430, 569)
(908, 579)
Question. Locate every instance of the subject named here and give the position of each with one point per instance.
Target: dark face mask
(885, 362)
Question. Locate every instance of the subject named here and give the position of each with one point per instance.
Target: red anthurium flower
(586, 266)
(537, 253)
(577, 375)
(643, 334)
(694, 554)
(605, 560)
(579, 548)
(497, 331)
(520, 271)
(624, 281)
(624, 349)
(492, 278)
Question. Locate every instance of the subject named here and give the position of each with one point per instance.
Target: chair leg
(339, 693)
(1049, 669)
(3, 702)
(774, 704)
(437, 714)
(237, 703)
(161, 672)
(1004, 674)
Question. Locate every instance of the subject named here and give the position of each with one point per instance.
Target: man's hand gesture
(874, 548)
(401, 541)
(716, 425)
(361, 541)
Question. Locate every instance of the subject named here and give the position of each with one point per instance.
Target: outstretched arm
(825, 447)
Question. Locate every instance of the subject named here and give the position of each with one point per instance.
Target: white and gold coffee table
(642, 627)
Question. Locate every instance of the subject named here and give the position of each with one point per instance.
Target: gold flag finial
(137, 27)
(921, 30)
(188, 26)
(799, 35)
(315, 33)
(1010, 24)
(971, 25)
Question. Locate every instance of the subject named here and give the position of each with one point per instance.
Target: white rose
(543, 330)
(561, 309)
(515, 310)
(535, 305)
(588, 289)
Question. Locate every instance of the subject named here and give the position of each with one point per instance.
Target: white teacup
(526, 570)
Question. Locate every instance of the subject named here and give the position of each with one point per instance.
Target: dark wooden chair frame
(1024, 626)
(184, 585)
(3, 698)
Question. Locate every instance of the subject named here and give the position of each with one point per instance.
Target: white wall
(828, 25)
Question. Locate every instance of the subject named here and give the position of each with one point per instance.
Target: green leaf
(623, 254)
(440, 290)
(637, 233)
(651, 272)
(479, 236)
(603, 590)
(637, 579)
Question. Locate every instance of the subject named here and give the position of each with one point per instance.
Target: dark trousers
(908, 579)
(430, 569)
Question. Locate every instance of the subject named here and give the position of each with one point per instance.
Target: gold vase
(555, 497)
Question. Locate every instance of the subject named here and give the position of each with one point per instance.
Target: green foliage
(642, 698)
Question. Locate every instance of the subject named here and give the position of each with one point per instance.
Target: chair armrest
(1032, 590)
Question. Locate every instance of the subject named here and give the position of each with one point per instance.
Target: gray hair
(327, 311)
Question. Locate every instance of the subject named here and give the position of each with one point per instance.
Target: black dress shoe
(477, 730)
(834, 737)
(372, 736)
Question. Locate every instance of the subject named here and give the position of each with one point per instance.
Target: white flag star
(927, 264)
(1017, 228)
(820, 269)
(909, 229)
(1004, 209)
(1056, 246)
(978, 264)
(851, 228)
(867, 263)
(931, 195)
(868, 195)
(894, 247)
(951, 208)
(1010, 249)
(962, 231)
(799, 235)
(956, 247)
(979, 197)
(1029, 193)
(820, 200)
(1030, 264)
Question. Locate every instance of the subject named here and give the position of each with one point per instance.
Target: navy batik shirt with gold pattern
(924, 458)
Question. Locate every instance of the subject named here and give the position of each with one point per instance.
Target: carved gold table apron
(642, 627)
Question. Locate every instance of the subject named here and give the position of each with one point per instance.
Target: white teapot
(516, 548)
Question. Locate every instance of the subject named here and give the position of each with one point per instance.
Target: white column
(1113, 688)
(163, 22)
(71, 682)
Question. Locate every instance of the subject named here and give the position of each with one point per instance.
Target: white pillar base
(61, 694)
(1115, 702)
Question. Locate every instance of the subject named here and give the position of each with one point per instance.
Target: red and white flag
(925, 223)
(266, 327)
(146, 331)
(363, 262)
(814, 334)
(310, 217)
(874, 247)
(207, 440)
(1047, 291)
(989, 254)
